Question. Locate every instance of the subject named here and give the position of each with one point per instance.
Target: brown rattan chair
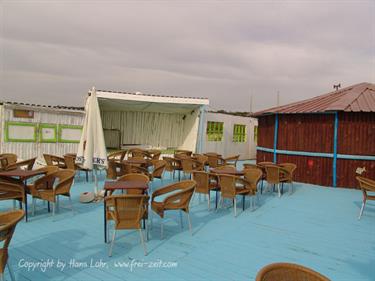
(275, 175)
(12, 189)
(173, 165)
(178, 196)
(8, 223)
(135, 177)
(288, 272)
(127, 211)
(53, 160)
(366, 185)
(71, 164)
(203, 159)
(214, 160)
(179, 152)
(158, 170)
(8, 161)
(118, 156)
(229, 189)
(252, 176)
(204, 184)
(231, 160)
(51, 186)
(189, 165)
(288, 170)
(154, 154)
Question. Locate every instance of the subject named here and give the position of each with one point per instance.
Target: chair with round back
(135, 177)
(8, 223)
(288, 272)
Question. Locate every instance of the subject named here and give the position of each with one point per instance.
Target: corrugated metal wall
(26, 150)
(314, 133)
(226, 147)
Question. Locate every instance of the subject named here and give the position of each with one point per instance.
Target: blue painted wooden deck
(315, 226)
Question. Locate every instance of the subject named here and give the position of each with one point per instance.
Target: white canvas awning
(158, 121)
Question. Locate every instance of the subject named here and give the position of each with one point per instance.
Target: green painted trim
(47, 126)
(61, 127)
(20, 124)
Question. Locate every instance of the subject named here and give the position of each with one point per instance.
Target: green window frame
(215, 131)
(8, 138)
(47, 126)
(74, 127)
(255, 134)
(239, 133)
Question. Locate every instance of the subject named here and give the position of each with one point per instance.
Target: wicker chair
(154, 154)
(135, 177)
(288, 170)
(366, 185)
(229, 189)
(70, 164)
(159, 167)
(214, 160)
(275, 176)
(179, 152)
(8, 161)
(203, 159)
(45, 188)
(8, 223)
(252, 176)
(12, 189)
(288, 272)
(127, 211)
(204, 184)
(173, 165)
(117, 156)
(138, 153)
(231, 160)
(178, 196)
(189, 165)
(53, 160)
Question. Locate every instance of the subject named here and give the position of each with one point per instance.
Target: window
(215, 131)
(239, 133)
(255, 134)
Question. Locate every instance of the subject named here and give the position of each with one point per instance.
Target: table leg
(25, 193)
(216, 200)
(105, 218)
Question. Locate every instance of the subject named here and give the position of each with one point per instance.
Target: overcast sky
(53, 52)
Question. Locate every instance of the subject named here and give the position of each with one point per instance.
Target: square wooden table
(22, 175)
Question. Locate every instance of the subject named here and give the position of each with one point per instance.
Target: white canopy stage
(152, 120)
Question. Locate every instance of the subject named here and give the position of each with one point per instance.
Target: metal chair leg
(161, 229)
(112, 243)
(33, 207)
(11, 273)
(278, 189)
(53, 208)
(362, 208)
(182, 224)
(143, 243)
(71, 203)
(235, 207)
(189, 220)
(208, 199)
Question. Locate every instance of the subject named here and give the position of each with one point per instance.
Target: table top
(129, 184)
(135, 161)
(22, 174)
(227, 171)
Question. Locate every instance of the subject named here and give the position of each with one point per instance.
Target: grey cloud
(221, 50)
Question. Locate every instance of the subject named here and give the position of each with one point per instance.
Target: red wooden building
(328, 136)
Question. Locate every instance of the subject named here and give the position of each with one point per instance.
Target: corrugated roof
(355, 98)
(55, 107)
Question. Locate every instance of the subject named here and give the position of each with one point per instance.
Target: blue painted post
(200, 139)
(334, 173)
(275, 138)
